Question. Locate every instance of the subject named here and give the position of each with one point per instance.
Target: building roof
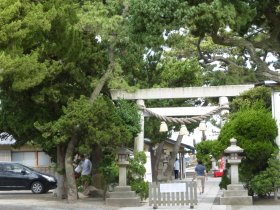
(170, 141)
(6, 139)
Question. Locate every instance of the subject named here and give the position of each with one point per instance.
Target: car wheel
(37, 187)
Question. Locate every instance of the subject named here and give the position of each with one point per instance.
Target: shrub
(255, 131)
(136, 172)
(269, 180)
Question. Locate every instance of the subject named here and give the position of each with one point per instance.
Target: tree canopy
(244, 34)
(52, 70)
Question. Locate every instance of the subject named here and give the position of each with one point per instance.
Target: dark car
(15, 176)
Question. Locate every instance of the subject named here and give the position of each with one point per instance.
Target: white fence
(173, 194)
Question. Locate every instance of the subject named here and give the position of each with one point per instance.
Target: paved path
(25, 200)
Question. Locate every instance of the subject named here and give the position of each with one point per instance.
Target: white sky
(211, 133)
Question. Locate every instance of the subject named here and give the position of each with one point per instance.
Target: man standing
(84, 167)
(200, 174)
(176, 168)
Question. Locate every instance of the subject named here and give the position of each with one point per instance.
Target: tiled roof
(6, 139)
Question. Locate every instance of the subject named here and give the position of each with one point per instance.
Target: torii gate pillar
(139, 140)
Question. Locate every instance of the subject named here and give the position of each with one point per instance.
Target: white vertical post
(223, 101)
(275, 96)
(139, 140)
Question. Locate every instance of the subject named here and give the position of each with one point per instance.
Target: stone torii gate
(175, 93)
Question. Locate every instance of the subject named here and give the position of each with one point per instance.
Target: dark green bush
(136, 172)
(255, 131)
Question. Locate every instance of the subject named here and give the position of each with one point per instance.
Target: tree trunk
(275, 193)
(106, 76)
(61, 191)
(96, 155)
(153, 158)
(71, 183)
(156, 157)
(169, 169)
(70, 177)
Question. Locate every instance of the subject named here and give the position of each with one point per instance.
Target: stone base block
(236, 195)
(122, 194)
(123, 202)
(122, 188)
(236, 200)
(235, 187)
(123, 197)
(231, 193)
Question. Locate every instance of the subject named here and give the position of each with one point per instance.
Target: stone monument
(122, 195)
(235, 193)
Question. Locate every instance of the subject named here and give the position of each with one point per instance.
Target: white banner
(173, 187)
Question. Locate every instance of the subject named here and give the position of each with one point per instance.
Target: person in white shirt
(176, 168)
(84, 167)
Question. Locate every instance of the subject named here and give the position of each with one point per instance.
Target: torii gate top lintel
(182, 92)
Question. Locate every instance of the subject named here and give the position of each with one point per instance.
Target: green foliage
(218, 13)
(206, 150)
(136, 172)
(174, 72)
(109, 169)
(128, 111)
(221, 77)
(98, 123)
(42, 66)
(140, 187)
(225, 180)
(150, 18)
(267, 181)
(254, 125)
(83, 179)
(255, 97)
(151, 130)
(255, 131)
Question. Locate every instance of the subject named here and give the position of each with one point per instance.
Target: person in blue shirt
(200, 174)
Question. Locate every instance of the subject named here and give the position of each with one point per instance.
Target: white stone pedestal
(236, 195)
(123, 197)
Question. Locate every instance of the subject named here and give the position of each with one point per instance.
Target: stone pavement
(209, 200)
(206, 201)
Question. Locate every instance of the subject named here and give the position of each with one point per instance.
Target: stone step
(123, 202)
(236, 200)
(122, 194)
(122, 188)
(228, 193)
(235, 187)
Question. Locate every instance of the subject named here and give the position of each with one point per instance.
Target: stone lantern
(233, 150)
(123, 162)
(122, 195)
(235, 193)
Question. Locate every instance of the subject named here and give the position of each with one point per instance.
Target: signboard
(172, 187)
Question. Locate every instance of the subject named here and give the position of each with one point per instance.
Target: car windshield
(26, 167)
